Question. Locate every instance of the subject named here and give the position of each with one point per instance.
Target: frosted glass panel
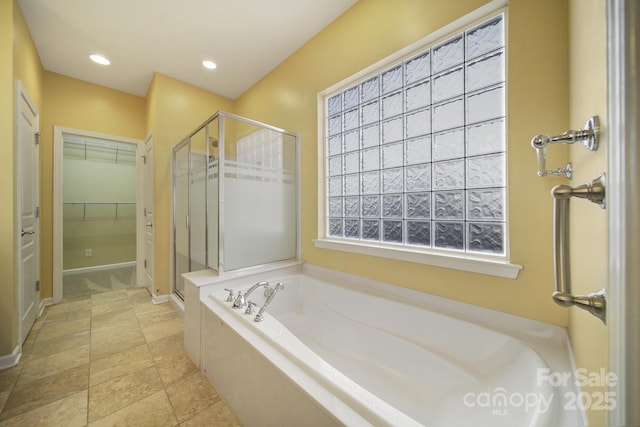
(485, 38)
(370, 113)
(350, 98)
(392, 181)
(260, 207)
(417, 68)
(418, 96)
(392, 105)
(448, 175)
(486, 204)
(418, 123)
(418, 150)
(392, 79)
(392, 231)
(448, 54)
(419, 233)
(448, 145)
(392, 130)
(486, 237)
(392, 206)
(369, 89)
(448, 205)
(448, 85)
(449, 235)
(486, 171)
(418, 205)
(371, 206)
(392, 155)
(485, 71)
(486, 105)
(448, 115)
(485, 138)
(370, 229)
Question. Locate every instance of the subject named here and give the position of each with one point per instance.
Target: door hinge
(36, 138)
(37, 212)
(145, 263)
(144, 159)
(37, 285)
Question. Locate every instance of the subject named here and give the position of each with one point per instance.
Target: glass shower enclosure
(235, 197)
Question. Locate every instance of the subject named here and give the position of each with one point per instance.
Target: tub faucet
(241, 299)
(260, 316)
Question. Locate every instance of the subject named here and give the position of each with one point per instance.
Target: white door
(28, 227)
(148, 212)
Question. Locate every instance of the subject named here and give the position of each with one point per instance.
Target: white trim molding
(95, 268)
(623, 203)
(11, 360)
(497, 266)
(160, 299)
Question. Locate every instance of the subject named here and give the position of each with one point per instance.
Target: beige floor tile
(191, 395)
(218, 414)
(152, 411)
(47, 347)
(8, 378)
(70, 411)
(148, 308)
(66, 310)
(111, 396)
(106, 344)
(139, 295)
(175, 367)
(120, 294)
(153, 318)
(29, 395)
(123, 319)
(163, 329)
(109, 306)
(167, 346)
(119, 364)
(54, 364)
(4, 395)
(57, 329)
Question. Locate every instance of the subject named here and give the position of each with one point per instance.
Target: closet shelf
(116, 205)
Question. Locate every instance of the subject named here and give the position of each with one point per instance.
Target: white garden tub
(340, 350)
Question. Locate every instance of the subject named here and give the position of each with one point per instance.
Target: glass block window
(415, 153)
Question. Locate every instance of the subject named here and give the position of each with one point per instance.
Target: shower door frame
(221, 116)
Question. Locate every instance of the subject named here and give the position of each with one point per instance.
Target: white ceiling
(245, 38)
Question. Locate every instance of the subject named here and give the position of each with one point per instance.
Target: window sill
(497, 266)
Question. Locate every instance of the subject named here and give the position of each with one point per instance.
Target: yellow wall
(8, 302)
(175, 109)
(537, 100)
(588, 95)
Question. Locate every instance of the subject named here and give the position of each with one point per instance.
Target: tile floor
(75, 285)
(110, 359)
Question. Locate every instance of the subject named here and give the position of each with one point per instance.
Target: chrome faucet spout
(260, 316)
(241, 299)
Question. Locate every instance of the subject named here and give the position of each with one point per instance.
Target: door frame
(623, 176)
(58, 162)
(23, 95)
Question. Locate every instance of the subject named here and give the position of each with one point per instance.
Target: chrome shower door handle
(593, 191)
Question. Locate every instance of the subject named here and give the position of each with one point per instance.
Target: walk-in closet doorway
(98, 218)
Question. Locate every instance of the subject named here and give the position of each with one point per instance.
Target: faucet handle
(231, 295)
(250, 308)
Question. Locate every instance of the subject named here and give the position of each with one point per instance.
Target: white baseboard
(160, 299)
(44, 303)
(98, 268)
(11, 360)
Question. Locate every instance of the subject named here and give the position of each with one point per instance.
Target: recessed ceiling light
(209, 64)
(99, 59)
